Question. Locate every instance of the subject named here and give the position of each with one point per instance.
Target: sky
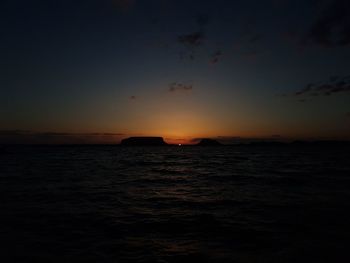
(97, 71)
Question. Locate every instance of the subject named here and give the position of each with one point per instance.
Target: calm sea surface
(174, 204)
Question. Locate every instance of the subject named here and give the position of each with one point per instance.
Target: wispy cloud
(192, 40)
(332, 86)
(304, 90)
(216, 57)
(180, 87)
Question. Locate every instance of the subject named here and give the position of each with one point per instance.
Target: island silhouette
(143, 141)
(208, 142)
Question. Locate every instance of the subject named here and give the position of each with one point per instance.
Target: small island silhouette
(143, 141)
(208, 142)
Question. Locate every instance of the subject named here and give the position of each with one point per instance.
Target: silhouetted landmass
(143, 141)
(150, 141)
(208, 142)
(265, 143)
(322, 144)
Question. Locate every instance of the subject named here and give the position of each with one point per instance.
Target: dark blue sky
(180, 69)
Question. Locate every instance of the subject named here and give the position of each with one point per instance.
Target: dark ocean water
(174, 204)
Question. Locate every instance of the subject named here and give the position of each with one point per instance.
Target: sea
(242, 203)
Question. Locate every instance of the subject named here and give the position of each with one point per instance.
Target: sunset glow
(220, 72)
(174, 131)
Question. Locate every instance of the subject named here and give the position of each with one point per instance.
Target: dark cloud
(178, 87)
(334, 85)
(192, 40)
(187, 55)
(332, 27)
(216, 57)
(304, 90)
(132, 97)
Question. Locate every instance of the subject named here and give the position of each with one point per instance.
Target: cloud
(334, 85)
(132, 97)
(216, 57)
(332, 28)
(192, 40)
(179, 87)
(304, 90)
(187, 55)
